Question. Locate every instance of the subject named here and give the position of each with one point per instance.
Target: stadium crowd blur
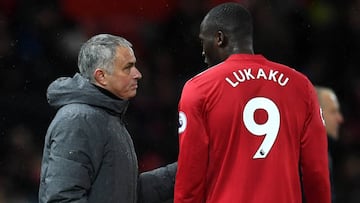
(40, 39)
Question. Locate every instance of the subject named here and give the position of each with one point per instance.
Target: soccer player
(247, 124)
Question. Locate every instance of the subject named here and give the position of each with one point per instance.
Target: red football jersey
(247, 126)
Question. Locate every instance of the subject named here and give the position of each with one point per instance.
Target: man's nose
(137, 74)
(340, 118)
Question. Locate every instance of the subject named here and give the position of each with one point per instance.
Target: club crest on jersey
(182, 122)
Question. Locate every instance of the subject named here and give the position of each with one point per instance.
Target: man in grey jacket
(88, 154)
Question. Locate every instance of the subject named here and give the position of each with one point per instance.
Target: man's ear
(99, 76)
(220, 39)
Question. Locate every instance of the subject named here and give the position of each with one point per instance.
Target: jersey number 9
(269, 129)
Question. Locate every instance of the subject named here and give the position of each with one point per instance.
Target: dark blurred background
(40, 39)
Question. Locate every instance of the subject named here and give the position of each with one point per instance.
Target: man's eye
(128, 67)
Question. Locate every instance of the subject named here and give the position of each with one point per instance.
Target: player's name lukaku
(243, 75)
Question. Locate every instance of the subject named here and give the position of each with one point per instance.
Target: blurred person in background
(247, 123)
(88, 154)
(333, 119)
(331, 110)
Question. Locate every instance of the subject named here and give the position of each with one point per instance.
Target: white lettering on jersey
(246, 74)
(272, 75)
(182, 122)
(261, 73)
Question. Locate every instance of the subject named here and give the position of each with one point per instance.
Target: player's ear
(220, 39)
(99, 76)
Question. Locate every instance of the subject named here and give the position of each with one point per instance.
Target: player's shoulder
(295, 74)
(203, 78)
(210, 74)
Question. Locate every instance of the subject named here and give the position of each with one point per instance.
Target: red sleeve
(193, 150)
(314, 154)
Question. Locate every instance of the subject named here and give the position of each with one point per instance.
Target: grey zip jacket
(89, 156)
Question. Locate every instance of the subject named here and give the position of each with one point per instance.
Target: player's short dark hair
(231, 18)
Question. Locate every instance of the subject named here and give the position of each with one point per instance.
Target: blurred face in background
(332, 114)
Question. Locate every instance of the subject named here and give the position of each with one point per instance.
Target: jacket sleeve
(71, 162)
(157, 185)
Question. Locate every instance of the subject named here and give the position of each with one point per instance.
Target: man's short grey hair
(322, 89)
(99, 52)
